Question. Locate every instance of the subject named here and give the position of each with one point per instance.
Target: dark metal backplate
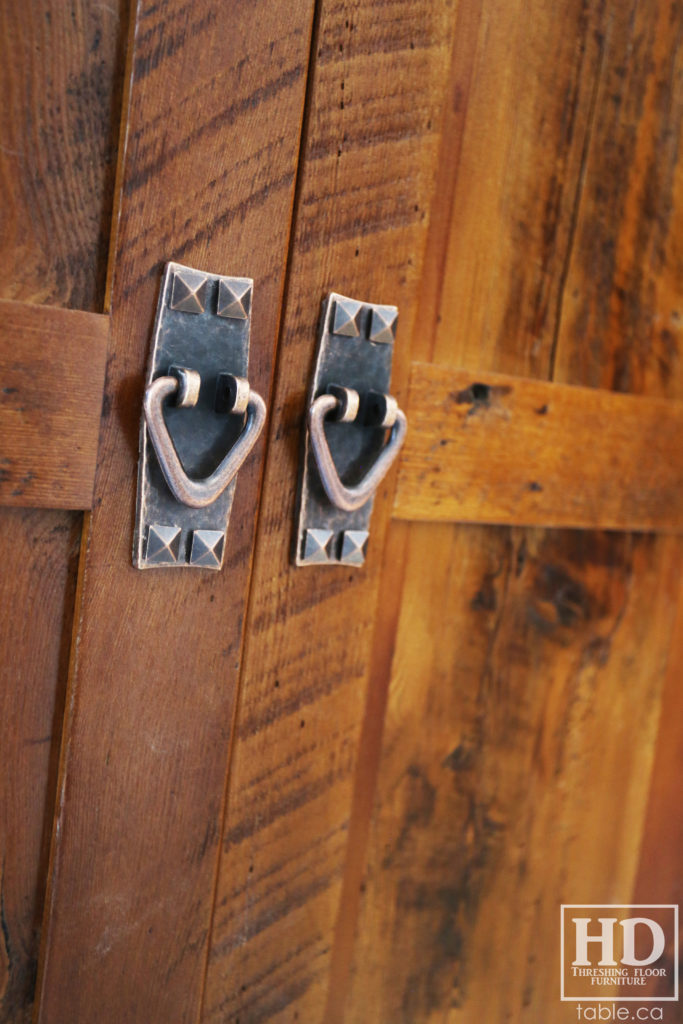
(356, 351)
(203, 323)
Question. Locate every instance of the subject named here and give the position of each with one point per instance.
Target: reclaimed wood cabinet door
(338, 794)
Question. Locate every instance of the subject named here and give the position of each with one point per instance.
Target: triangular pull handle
(345, 403)
(185, 383)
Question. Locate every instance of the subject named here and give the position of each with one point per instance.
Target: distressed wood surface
(60, 73)
(518, 452)
(213, 116)
(528, 778)
(623, 299)
(60, 79)
(658, 879)
(366, 180)
(52, 364)
(517, 768)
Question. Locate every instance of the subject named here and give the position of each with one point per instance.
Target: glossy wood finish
(518, 452)
(52, 364)
(518, 768)
(366, 179)
(60, 72)
(213, 115)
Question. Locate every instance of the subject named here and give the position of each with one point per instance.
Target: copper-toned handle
(199, 493)
(345, 402)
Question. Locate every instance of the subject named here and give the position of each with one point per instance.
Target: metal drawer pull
(349, 411)
(185, 384)
(381, 411)
(190, 450)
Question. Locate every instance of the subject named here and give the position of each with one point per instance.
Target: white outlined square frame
(618, 906)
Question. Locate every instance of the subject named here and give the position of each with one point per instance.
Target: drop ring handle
(185, 384)
(382, 411)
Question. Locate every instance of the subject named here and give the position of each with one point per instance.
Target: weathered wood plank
(213, 118)
(514, 140)
(623, 299)
(620, 320)
(525, 783)
(52, 364)
(366, 179)
(60, 79)
(37, 590)
(491, 448)
(60, 73)
(658, 878)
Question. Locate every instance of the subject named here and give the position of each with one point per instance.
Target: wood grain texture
(366, 178)
(621, 321)
(623, 299)
(658, 879)
(60, 73)
(52, 364)
(37, 589)
(60, 79)
(213, 115)
(518, 452)
(528, 780)
(514, 141)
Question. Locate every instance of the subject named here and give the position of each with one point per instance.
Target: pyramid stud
(346, 317)
(163, 544)
(317, 546)
(188, 293)
(354, 543)
(207, 548)
(383, 324)
(234, 298)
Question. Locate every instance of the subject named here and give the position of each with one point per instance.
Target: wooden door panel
(526, 783)
(212, 125)
(60, 76)
(366, 179)
(427, 755)
(532, 779)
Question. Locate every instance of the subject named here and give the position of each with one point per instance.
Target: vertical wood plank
(518, 750)
(60, 79)
(366, 178)
(60, 76)
(514, 141)
(505, 796)
(622, 321)
(213, 119)
(658, 878)
(623, 298)
(37, 590)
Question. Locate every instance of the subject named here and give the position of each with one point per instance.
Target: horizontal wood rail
(488, 448)
(52, 365)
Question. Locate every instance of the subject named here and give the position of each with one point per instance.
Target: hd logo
(619, 953)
